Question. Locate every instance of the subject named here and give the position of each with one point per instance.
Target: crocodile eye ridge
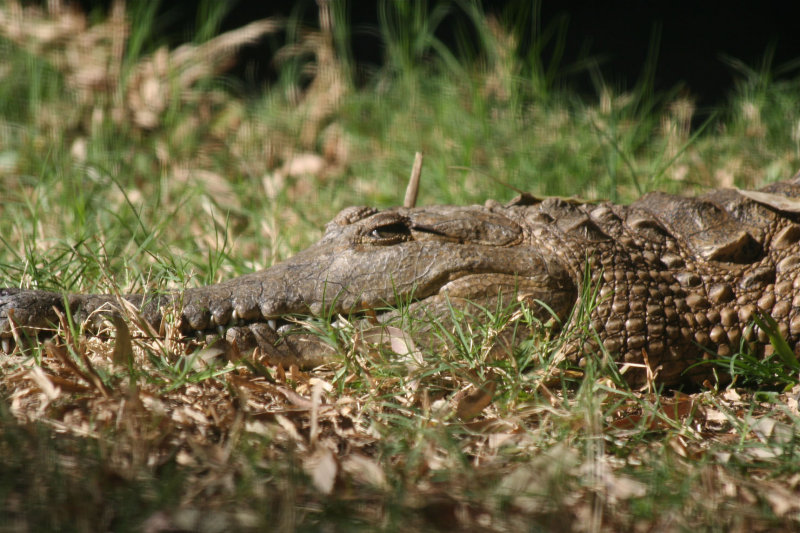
(385, 229)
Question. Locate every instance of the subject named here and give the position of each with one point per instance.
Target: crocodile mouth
(303, 338)
(458, 288)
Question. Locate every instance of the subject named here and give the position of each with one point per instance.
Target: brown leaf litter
(91, 57)
(148, 403)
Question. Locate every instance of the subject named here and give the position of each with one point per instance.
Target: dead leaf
(66, 385)
(316, 396)
(678, 446)
(624, 488)
(793, 400)
(123, 350)
(42, 381)
(769, 430)
(290, 428)
(731, 395)
(471, 401)
(398, 340)
(364, 470)
(206, 357)
(214, 186)
(90, 377)
(304, 164)
(297, 375)
(322, 467)
(781, 500)
(616, 487)
(715, 416)
(677, 409)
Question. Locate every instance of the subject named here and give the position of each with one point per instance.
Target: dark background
(693, 37)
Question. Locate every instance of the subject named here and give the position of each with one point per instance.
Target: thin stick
(413, 182)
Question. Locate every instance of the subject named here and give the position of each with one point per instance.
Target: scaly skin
(676, 277)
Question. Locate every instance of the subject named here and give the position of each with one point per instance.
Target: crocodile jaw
(334, 281)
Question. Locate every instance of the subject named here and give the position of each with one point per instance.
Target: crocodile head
(369, 259)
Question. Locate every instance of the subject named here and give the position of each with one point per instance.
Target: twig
(413, 182)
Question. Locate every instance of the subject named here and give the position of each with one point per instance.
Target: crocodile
(673, 280)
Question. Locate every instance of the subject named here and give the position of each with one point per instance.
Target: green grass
(91, 201)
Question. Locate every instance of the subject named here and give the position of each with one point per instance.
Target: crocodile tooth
(7, 344)
(221, 316)
(273, 324)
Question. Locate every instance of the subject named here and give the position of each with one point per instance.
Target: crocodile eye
(389, 233)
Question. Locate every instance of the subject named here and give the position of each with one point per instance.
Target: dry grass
(260, 445)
